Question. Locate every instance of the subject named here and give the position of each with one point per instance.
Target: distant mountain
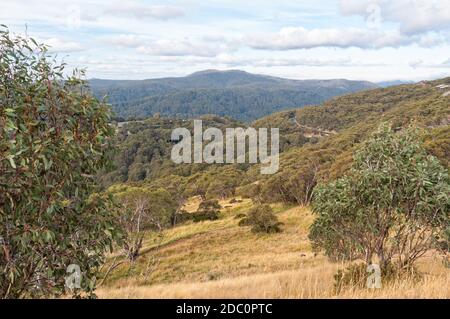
(386, 84)
(234, 93)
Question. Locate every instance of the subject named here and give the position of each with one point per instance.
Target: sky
(374, 40)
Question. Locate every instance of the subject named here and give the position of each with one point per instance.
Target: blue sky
(374, 40)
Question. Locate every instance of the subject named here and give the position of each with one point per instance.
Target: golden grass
(219, 259)
(310, 282)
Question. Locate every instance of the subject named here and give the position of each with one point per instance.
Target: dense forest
(316, 144)
(236, 94)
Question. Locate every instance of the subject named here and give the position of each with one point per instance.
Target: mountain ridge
(235, 93)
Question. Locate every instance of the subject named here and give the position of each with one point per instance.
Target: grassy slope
(220, 259)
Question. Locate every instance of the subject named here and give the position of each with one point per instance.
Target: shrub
(209, 204)
(262, 219)
(203, 215)
(356, 275)
(182, 216)
(393, 203)
(240, 216)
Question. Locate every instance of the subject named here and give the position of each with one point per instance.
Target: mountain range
(324, 134)
(237, 94)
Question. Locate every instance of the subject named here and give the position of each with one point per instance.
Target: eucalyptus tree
(393, 205)
(54, 138)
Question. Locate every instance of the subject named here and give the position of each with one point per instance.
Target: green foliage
(54, 137)
(207, 210)
(316, 144)
(143, 154)
(202, 215)
(182, 216)
(237, 94)
(352, 118)
(262, 220)
(209, 204)
(392, 204)
(158, 206)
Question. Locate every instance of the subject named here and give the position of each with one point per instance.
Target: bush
(393, 203)
(203, 215)
(209, 205)
(262, 220)
(182, 217)
(356, 275)
(208, 210)
(251, 190)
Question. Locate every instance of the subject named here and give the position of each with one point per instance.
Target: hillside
(323, 136)
(219, 259)
(238, 94)
(351, 119)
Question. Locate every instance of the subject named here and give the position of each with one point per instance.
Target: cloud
(416, 63)
(413, 16)
(126, 40)
(142, 11)
(57, 45)
(228, 60)
(300, 38)
(421, 64)
(173, 47)
(182, 47)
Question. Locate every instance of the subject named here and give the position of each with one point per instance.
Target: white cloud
(126, 40)
(415, 63)
(182, 47)
(173, 47)
(413, 16)
(142, 11)
(300, 38)
(234, 61)
(147, 38)
(431, 64)
(59, 45)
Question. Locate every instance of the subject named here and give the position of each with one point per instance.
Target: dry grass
(218, 259)
(310, 282)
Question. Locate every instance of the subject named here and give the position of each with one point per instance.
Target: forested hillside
(320, 147)
(237, 94)
(316, 144)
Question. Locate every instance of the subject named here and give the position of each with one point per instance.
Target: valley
(225, 150)
(220, 259)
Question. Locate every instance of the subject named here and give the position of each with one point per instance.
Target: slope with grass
(219, 259)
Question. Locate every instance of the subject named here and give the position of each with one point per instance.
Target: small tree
(262, 220)
(392, 205)
(142, 209)
(54, 137)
